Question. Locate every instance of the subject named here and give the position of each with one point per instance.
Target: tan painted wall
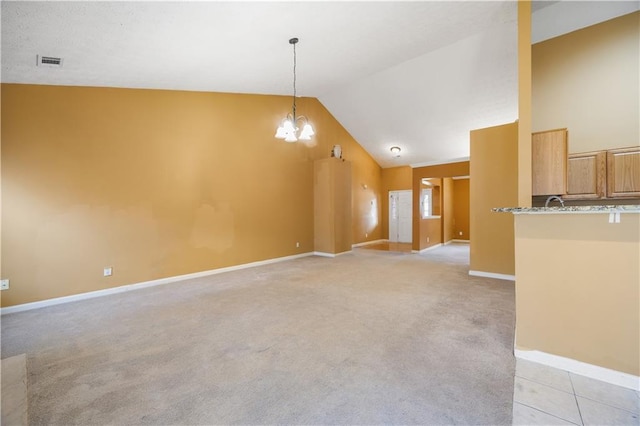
(524, 104)
(155, 184)
(493, 183)
(578, 277)
(588, 81)
(1, 197)
(437, 171)
(447, 210)
(366, 203)
(436, 196)
(393, 179)
(332, 205)
(432, 229)
(460, 168)
(578, 287)
(461, 208)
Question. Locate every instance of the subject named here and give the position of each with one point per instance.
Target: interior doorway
(400, 216)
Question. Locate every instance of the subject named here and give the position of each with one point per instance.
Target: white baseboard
(493, 275)
(427, 249)
(140, 285)
(366, 243)
(581, 368)
(325, 254)
(459, 241)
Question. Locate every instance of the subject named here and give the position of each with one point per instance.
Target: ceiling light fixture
(395, 150)
(288, 129)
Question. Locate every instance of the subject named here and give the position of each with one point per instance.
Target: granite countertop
(629, 208)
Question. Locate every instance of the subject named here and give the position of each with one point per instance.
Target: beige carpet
(365, 338)
(13, 373)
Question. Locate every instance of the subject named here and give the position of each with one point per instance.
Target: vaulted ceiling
(417, 74)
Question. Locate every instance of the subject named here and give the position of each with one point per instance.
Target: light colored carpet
(365, 338)
(13, 373)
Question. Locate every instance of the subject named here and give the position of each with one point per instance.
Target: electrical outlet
(366, 235)
(460, 233)
(108, 271)
(297, 244)
(4, 284)
(427, 239)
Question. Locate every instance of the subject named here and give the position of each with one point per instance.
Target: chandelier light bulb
(291, 137)
(307, 132)
(281, 133)
(288, 126)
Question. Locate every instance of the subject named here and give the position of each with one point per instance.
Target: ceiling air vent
(48, 61)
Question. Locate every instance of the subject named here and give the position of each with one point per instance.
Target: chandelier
(288, 129)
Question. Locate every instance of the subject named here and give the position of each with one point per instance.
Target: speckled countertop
(629, 208)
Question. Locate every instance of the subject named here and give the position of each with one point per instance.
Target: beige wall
(1, 197)
(430, 232)
(587, 81)
(577, 276)
(461, 208)
(524, 104)
(155, 184)
(366, 202)
(447, 210)
(333, 227)
(437, 171)
(494, 183)
(431, 228)
(578, 287)
(393, 179)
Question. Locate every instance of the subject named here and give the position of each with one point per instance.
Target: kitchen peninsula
(578, 288)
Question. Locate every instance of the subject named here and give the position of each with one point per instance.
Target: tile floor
(547, 396)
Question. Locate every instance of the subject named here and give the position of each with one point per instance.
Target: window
(427, 202)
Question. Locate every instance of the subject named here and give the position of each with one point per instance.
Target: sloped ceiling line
(417, 74)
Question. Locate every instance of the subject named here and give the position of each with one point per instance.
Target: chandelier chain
(294, 81)
(288, 129)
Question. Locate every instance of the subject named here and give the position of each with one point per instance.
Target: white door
(400, 212)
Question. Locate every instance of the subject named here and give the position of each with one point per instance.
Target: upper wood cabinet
(586, 175)
(623, 172)
(549, 162)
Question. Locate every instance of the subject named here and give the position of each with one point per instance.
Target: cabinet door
(623, 172)
(549, 162)
(586, 175)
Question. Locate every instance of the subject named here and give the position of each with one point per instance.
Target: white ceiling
(417, 74)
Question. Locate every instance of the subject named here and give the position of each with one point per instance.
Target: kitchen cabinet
(623, 172)
(586, 175)
(549, 162)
